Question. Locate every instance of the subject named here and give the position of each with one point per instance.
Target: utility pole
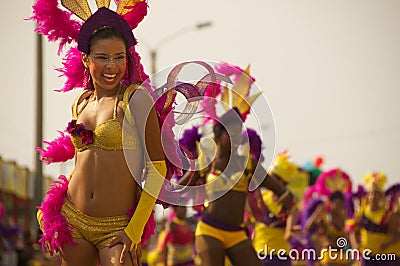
(39, 120)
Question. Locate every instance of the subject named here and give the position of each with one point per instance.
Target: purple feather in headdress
(360, 193)
(393, 190)
(305, 215)
(393, 194)
(58, 150)
(189, 140)
(309, 209)
(255, 143)
(307, 240)
(310, 193)
(348, 203)
(188, 149)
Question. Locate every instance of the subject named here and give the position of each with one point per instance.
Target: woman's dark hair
(105, 33)
(337, 195)
(231, 117)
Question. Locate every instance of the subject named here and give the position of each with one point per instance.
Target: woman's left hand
(136, 253)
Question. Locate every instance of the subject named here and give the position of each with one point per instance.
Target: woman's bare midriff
(102, 184)
(229, 208)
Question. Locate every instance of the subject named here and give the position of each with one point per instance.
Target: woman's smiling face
(107, 62)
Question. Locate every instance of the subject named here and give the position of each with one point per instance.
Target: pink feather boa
(58, 150)
(56, 231)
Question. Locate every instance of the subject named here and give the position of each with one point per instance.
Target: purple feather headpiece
(310, 208)
(255, 143)
(57, 25)
(393, 194)
(189, 139)
(104, 17)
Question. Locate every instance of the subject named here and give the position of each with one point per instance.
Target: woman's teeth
(109, 76)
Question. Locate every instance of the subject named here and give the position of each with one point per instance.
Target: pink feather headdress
(242, 82)
(57, 25)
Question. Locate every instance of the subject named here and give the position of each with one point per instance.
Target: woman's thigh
(243, 254)
(83, 253)
(210, 250)
(109, 256)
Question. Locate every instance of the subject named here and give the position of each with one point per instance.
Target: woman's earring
(86, 78)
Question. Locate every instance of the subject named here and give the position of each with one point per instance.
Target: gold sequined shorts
(100, 231)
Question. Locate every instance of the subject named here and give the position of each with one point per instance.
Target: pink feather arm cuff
(58, 150)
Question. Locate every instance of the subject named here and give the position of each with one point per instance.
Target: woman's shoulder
(134, 87)
(83, 95)
(80, 100)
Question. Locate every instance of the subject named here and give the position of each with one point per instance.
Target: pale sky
(328, 69)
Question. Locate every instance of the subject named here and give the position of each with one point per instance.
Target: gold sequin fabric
(100, 231)
(101, 3)
(79, 8)
(110, 134)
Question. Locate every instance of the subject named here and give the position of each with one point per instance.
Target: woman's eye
(120, 57)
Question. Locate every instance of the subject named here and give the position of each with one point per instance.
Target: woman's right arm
(270, 182)
(146, 121)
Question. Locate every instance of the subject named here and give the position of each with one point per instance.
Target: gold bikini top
(217, 181)
(108, 135)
